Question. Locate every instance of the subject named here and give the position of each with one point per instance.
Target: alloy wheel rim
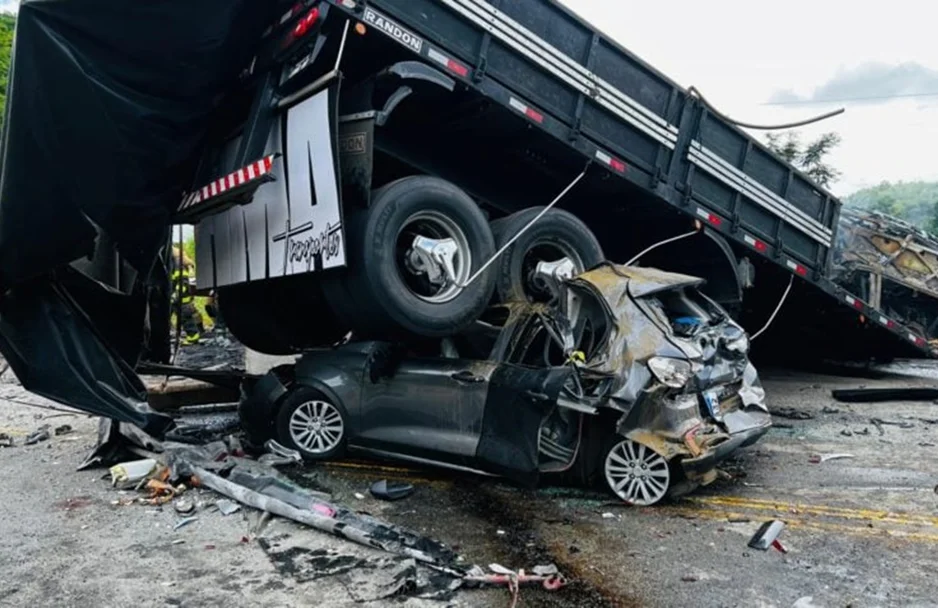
(317, 427)
(636, 473)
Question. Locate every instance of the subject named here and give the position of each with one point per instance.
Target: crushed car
(629, 376)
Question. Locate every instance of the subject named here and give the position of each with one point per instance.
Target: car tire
(280, 316)
(383, 291)
(312, 424)
(556, 235)
(635, 473)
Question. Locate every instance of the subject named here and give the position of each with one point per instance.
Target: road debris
(767, 536)
(6, 441)
(41, 434)
(65, 429)
(876, 395)
(184, 506)
(501, 575)
(822, 458)
(791, 413)
(227, 507)
(901, 425)
(130, 473)
(185, 522)
(279, 455)
(391, 490)
(829, 410)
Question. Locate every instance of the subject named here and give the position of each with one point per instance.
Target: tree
(7, 27)
(810, 158)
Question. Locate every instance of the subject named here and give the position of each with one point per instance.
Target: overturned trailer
(390, 168)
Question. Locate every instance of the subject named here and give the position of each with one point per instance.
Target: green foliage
(7, 27)
(188, 247)
(915, 202)
(809, 157)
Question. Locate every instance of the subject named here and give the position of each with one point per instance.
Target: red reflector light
(306, 23)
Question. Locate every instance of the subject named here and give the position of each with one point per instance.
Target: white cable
(659, 244)
(791, 282)
(522, 231)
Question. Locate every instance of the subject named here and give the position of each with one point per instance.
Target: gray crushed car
(630, 377)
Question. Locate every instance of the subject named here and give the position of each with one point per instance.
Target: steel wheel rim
(317, 427)
(434, 225)
(636, 473)
(542, 250)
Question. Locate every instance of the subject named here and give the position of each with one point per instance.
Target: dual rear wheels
(415, 257)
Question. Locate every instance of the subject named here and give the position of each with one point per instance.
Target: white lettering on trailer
(394, 30)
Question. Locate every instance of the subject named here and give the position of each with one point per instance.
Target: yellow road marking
(815, 525)
(782, 506)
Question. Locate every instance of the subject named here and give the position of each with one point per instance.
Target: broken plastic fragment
(42, 434)
(185, 522)
(766, 535)
(391, 490)
(819, 458)
(227, 507)
(131, 472)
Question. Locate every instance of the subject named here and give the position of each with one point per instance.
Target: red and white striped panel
(610, 161)
(525, 109)
(248, 174)
(450, 64)
(756, 244)
(919, 341)
(711, 218)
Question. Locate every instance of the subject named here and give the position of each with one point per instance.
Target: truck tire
(387, 289)
(558, 234)
(280, 316)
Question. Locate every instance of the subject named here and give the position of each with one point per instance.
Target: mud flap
(519, 401)
(52, 346)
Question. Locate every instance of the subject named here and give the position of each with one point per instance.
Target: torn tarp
(107, 107)
(55, 352)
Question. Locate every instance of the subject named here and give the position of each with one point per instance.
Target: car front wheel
(636, 473)
(312, 424)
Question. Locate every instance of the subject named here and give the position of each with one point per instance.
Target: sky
(771, 63)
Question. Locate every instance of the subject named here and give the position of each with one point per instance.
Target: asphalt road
(861, 531)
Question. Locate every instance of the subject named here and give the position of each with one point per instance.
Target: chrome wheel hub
(434, 257)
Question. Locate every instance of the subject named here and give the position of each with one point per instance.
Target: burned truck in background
(892, 265)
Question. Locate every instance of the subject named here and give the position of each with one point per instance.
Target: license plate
(712, 399)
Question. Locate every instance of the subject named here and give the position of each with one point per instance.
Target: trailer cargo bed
(566, 78)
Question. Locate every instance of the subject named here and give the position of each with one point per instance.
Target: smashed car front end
(682, 379)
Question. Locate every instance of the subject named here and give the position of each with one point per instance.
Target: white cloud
(9, 6)
(741, 53)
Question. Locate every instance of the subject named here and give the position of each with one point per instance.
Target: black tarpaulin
(108, 104)
(55, 352)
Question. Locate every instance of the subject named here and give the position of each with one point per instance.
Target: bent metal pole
(527, 226)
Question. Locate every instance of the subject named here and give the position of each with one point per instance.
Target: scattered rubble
(41, 434)
(6, 441)
(65, 429)
(791, 413)
(391, 490)
(822, 458)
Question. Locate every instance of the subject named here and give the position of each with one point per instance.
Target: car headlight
(739, 345)
(671, 372)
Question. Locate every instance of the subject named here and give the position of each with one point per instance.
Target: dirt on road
(861, 530)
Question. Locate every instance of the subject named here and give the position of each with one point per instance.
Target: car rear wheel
(636, 473)
(312, 424)
(559, 239)
(421, 239)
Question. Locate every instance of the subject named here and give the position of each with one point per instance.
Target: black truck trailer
(389, 167)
